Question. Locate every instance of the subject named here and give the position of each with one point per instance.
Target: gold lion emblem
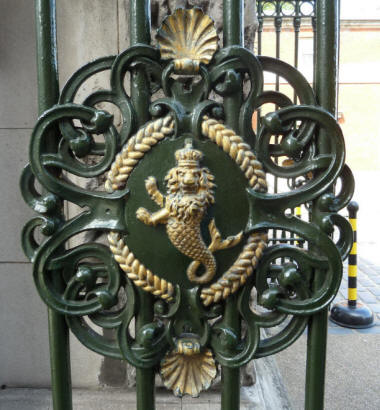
(189, 193)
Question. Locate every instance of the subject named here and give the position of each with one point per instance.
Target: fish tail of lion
(208, 261)
(217, 243)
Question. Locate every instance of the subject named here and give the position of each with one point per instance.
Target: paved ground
(353, 356)
(352, 372)
(268, 393)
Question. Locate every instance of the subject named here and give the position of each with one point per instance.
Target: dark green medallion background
(150, 244)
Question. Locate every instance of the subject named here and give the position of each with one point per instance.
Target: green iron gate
(185, 204)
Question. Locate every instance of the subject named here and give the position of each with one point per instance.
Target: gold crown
(188, 156)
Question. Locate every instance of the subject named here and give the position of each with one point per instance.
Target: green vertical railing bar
(60, 361)
(316, 358)
(233, 29)
(145, 391)
(48, 94)
(297, 27)
(140, 34)
(277, 26)
(327, 46)
(140, 27)
(232, 35)
(260, 19)
(326, 68)
(46, 41)
(231, 377)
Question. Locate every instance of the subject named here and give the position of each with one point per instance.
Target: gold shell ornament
(189, 38)
(187, 370)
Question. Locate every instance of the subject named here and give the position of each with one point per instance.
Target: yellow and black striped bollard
(352, 257)
(352, 313)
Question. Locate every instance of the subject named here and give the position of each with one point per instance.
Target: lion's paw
(143, 215)
(151, 184)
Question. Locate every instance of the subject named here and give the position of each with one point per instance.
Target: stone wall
(23, 338)
(87, 29)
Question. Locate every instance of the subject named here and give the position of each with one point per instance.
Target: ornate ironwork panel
(185, 206)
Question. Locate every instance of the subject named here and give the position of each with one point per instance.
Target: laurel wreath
(234, 145)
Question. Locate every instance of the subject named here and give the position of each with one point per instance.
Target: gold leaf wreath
(241, 153)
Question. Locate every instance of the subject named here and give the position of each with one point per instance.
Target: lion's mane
(189, 206)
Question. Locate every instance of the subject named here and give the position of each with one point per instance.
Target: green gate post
(232, 35)
(48, 94)
(140, 34)
(326, 76)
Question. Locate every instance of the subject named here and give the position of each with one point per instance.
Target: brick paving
(368, 293)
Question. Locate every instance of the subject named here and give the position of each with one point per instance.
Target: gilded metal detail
(136, 271)
(135, 149)
(236, 148)
(189, 38)
(187, 369)
(190, 192)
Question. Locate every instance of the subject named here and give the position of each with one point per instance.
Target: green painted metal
(140, 96)
(60, 360)
(85, 283)
(231, 376)
(46, 44)
(277, 12)
(48, 94)
(316, 361)
(233, 34)
(326, 71)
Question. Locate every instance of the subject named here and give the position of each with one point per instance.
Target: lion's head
(189, 186)
(190, 181)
